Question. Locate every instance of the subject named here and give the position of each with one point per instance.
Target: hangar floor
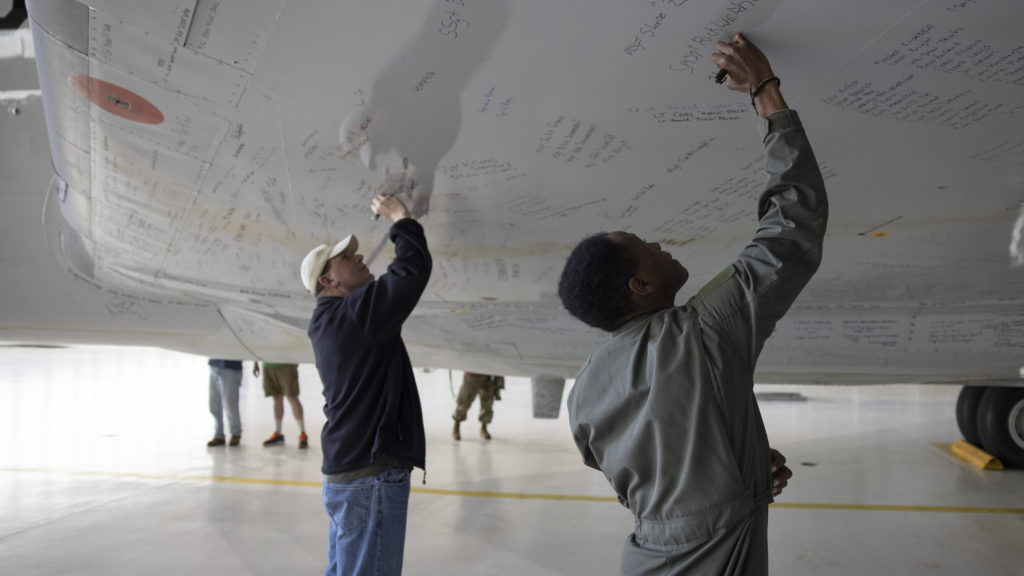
(104, 470)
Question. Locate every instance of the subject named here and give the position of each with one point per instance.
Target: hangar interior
(105, 470)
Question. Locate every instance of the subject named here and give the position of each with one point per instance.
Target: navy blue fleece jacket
(371, 402)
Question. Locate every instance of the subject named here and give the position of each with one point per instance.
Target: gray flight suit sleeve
(745, 301)
(581, 436)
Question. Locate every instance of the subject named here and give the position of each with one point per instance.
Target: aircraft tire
(967, 412)
(1001, 424)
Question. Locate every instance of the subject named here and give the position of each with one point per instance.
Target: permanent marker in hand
(720, 76)
(401, 187)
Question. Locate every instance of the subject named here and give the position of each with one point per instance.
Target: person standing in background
(488, 387)
(225, 380)
(281, 381)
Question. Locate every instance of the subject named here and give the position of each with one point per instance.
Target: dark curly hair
(594, 285)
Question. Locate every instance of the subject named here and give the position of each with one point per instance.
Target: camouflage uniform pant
(472, 385)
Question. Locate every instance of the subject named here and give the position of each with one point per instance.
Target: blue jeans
(224, 384)
(367, 527)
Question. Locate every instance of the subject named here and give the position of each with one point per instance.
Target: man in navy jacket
(374, 435)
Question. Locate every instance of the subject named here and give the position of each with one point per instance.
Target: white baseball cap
(314, 263)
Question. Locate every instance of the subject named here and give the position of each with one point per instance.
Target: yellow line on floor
(513, 495)
(897, 508)
(522, 495)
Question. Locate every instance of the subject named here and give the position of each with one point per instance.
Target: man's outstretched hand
(748, 67)
(389, 207)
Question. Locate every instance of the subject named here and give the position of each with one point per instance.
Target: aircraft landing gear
(992, 417)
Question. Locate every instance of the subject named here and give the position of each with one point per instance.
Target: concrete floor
(104, 470)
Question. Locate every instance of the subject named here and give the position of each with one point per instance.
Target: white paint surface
(531, 125)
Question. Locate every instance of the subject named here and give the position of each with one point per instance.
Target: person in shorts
(281, 381)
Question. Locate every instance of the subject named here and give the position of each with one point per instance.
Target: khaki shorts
(281, 380)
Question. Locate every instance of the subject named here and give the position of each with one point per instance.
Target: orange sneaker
(303, 440)
(274, 439)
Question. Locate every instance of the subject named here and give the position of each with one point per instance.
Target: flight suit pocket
(685, 533)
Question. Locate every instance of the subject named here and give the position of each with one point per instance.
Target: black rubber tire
(1001, 424)
(967, 412)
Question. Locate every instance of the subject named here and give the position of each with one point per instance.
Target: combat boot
(484, 433)
(455, 431)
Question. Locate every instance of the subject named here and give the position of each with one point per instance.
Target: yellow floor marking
(513, 495)
(896, 508)
(522, 495)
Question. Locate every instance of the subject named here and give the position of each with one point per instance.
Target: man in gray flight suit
(665, 407)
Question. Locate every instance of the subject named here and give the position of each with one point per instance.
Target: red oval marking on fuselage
(117, 100)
